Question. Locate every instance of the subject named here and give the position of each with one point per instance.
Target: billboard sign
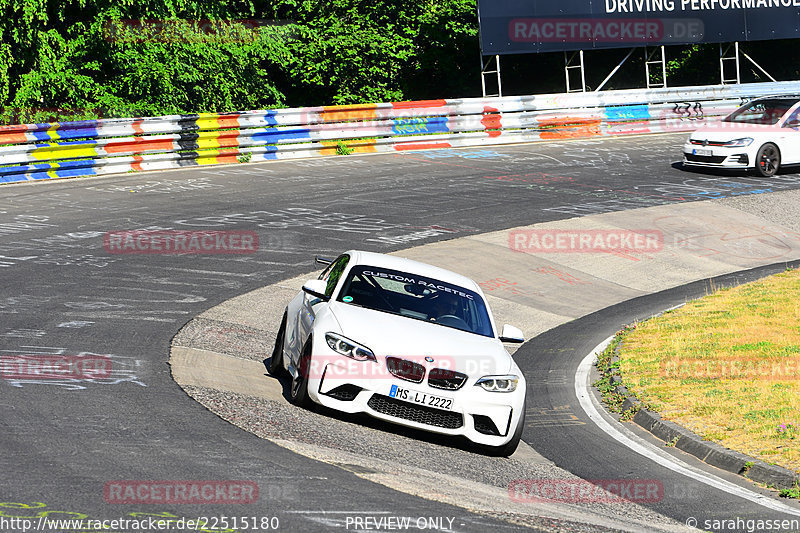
(529, 26)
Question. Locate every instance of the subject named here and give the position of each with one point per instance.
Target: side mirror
(316, 288)
(512, 334)
(322, 260)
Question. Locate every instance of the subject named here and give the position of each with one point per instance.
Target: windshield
(762, 111)
(417, 297)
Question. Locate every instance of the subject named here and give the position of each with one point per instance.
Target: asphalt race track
(576, 444)
(65, 440)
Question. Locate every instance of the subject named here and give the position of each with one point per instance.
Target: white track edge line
(647, 450)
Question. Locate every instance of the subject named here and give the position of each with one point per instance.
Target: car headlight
(499, 383)
(346, 347)
(744, 141)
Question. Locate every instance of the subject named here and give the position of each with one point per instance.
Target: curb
(709, 452)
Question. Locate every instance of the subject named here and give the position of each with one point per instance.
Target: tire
(298, 389)
(510, 447)
(768, 160)
(276, 361)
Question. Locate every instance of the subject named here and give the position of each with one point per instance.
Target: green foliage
(686, 63)
(148, 57)
(793, 492)
(354, 52)
(609, 368)
(605, 364)
(343, 149)
(126, 58)
(98, 55)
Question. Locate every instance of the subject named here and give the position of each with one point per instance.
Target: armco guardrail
(94, 147)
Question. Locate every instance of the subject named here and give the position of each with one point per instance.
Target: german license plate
(702, 151)
(421, 398)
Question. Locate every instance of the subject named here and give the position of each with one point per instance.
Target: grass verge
(726, 366)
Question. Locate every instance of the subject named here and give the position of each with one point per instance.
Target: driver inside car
(443, 305)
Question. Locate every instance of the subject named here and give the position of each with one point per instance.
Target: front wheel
(298, 391)
(768, 160)
(276, 361)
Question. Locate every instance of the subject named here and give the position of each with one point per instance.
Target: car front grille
(704, 158)
(442, 378)
(707, 143)
(415, 413)
(405, 369)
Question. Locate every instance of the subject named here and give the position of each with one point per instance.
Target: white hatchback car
(762, 135)
(405, 342)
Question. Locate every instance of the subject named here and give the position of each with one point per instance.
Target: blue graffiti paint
(411, 126)
(628, 112)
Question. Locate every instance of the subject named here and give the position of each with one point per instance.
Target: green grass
(726, 366)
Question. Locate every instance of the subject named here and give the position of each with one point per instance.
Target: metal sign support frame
(574, 61)
(725, 57)
(651, 60)
(485, 66)
(614, 71)
(570, 65)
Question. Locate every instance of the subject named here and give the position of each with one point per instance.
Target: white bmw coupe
(763, 134)
(405, 342)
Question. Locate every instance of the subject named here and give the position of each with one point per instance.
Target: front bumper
(483, 417)
(717, 156)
